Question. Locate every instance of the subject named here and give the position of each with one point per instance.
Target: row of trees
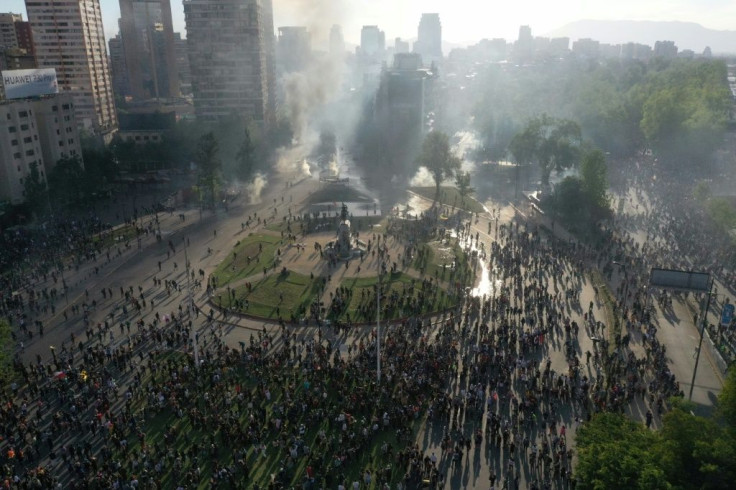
(678, 108)
(689, 451)
(230, 149)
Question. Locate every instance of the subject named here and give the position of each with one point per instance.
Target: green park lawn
(236, 265)
(399, 282)
(450, 196)
(290, 293)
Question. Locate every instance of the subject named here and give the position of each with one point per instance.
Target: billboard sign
(682, 280)
(29, 83)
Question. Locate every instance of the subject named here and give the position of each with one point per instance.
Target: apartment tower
(148, 44)
(68, 36)
(231, 50)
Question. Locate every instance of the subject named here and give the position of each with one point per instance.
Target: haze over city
(463, 21)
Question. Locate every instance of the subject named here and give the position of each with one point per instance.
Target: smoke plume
(255, 188)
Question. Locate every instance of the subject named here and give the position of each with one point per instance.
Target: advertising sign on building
(29, 83)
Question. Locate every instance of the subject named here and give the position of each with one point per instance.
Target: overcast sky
(463, 21)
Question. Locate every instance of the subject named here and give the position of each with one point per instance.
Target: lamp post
(704, 322)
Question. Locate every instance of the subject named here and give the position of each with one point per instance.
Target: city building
(429, 38)
(400, 46)
(524, 46)
(294, 48)
(231, 48)
(400, 110)
(636, 51)
(586, 48)
(143, 128)
(34, 132)
(372, 44)
(68, 36)
(16, 43)
(665, 49)
(118, 71)
(8, 35)
(337, 41)
(182, 64)
(148, 43)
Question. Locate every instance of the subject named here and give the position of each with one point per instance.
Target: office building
(337, 41)
(34, 132)
(68, 36)
(372, 44)
(231, 49)
(294, 48)
(182, 64)
(148, 43)
(665, 49)
(16, 43)
(429, 38)
(8, 35)
(118, 71)
(524, 46)
(400, 110)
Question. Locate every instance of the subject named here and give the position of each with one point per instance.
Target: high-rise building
(8, 35)
(148, 44)
(400, 47)
(34, 133)
(182, 64)
(118, 69)
(429, 38)
(372, 43)
(524, 46)
(16, 43)
(337, 41)
(68, 36)
(665, 49)
(294, 48)
(231, 50)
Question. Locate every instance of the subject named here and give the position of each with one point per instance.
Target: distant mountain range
(686, 35)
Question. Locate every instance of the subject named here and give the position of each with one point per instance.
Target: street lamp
(53, 353)
(704, 322)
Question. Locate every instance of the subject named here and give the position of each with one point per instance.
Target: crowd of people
(157, 398)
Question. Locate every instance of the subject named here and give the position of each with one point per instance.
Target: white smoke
(305, 169)
(423, 178)
(255, 188)
(332, 168)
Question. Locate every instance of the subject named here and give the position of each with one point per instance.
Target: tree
(438, 159)
(34, 190)
(593, 173)
(209, 165)
(245, 157)
(727, 401)
(462, 182)
(615, 452)
(66, 181)
(553, 143)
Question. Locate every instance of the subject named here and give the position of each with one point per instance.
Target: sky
(463, 21)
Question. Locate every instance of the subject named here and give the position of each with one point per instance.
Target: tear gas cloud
(255, 187)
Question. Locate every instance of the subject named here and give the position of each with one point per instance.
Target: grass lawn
(450, 197)
(297, 292)
(261, 249)
(399, 283)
